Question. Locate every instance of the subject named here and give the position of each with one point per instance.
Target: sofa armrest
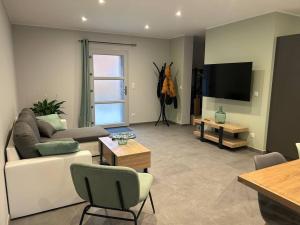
(41, 161)
(64, 121)
(44, 183)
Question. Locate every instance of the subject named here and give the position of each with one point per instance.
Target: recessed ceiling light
(102, 2)
(178, 13)
(83, 19)
(147, 27)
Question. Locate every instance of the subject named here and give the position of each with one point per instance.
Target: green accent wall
(249, 40)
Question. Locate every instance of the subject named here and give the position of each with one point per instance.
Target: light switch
(256, 93)
(133, 85)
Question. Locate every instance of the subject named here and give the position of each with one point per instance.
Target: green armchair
(111, 187)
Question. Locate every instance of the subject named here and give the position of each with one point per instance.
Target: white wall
(182, 57)
(186, 81)
(48, 64)
(7, 100)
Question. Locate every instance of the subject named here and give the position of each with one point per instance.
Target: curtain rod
(111, 43)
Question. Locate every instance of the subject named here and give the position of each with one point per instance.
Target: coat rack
(162, 115)
(162, 97)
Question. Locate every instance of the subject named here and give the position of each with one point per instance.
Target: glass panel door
(109, 92)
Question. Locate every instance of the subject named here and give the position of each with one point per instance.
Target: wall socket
(252, 134)
(133, 114)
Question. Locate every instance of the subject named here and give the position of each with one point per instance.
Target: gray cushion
(85, 134)
(27, 117)
(28, 111)
(45, 129)
(25, 140)
(45, 139)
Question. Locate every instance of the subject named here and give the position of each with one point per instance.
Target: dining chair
(111, 187)
(272, 212)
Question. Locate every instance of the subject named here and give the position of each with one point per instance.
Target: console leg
(202, 131)
(221, 133)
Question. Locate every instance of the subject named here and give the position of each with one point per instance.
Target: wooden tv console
(218, 134)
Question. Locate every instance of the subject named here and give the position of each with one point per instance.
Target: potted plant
(45, 107)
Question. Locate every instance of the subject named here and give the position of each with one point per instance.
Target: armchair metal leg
(83, 213)
(152, 202)
(141, 208)
(135, 218)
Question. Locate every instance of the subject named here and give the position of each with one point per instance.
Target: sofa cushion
(25, 139)
(46, 129)
(57, 147)
(85, 134)
(45, 139)
(28, 111)
(28, 117)
(54, 120)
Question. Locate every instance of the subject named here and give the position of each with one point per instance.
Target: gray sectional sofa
(26, 134)
(36, 184)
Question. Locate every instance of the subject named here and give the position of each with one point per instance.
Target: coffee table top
(131, 148)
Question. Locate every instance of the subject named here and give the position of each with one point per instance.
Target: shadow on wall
(253, 107)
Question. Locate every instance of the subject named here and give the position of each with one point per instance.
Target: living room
(117, 52)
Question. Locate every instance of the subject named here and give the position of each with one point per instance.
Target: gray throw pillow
(27, 117)
(25, 140)
(46, 130)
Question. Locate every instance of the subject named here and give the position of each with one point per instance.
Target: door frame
(101, 51)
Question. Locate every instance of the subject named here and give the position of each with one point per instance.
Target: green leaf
(46, 107)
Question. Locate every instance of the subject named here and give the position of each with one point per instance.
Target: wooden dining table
(280, 183)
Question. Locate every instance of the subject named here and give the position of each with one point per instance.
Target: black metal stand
(123, 209)
(220, 132)
(202, 132)
(162, 116)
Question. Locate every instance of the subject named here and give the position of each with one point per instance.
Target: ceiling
(130, 16)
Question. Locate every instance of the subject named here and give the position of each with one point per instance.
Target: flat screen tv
(227, 80)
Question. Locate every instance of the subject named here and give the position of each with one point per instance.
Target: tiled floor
(195, 184)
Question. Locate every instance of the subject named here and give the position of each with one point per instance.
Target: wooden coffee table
(133, 154)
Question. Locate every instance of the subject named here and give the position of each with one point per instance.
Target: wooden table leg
(113, 160)
(101, 152)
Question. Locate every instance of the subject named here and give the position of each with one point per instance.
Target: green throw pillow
(57, 147)
(54, 120)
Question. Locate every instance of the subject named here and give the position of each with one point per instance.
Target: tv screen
(228, 80)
